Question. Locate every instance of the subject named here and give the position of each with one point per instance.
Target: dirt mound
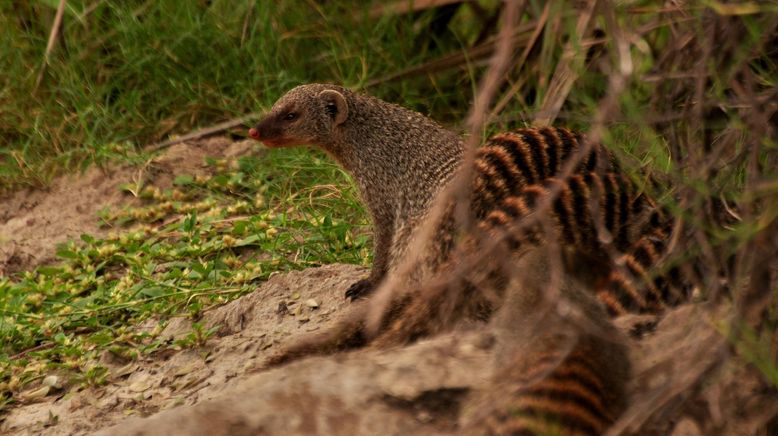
(428, 388)
(425, 388)
(414, 390)
(33, 222)
(281, 309)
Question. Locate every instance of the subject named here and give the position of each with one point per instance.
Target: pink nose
(254, 133)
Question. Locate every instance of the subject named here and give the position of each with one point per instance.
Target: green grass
(130, 73)
(140, 70)
(224, 234)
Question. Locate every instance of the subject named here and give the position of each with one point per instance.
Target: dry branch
(53, 36)
(566, 72)
(212, 130)
(473, 54)
(401, 7)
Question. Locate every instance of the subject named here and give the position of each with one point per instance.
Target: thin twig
(216, 128)
(479, 110)
(53, 35)
(404, 6)
(565, 74)
(458, 189)
(478, 52)
(508, 96)
(246, 21)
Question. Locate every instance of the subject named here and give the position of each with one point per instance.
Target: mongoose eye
(290, 116)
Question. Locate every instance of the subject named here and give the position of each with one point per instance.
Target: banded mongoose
(401, 160)
(554, 374)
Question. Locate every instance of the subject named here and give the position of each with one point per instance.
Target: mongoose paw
(360, 289)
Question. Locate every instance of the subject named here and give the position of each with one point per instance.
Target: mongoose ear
(335, 104)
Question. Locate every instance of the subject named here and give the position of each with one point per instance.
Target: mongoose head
(308, 114)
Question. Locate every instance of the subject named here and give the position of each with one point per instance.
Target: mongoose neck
(399, 157)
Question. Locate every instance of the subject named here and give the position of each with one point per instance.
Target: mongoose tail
(554, 390)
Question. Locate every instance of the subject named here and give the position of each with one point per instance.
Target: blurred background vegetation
(696, 107)
(138, 71)
(128, 73)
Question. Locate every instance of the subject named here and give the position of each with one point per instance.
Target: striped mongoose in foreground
(553, 374)
(401, 160)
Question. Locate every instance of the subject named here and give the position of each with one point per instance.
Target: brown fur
(597, 222)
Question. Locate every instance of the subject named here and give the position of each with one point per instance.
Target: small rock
(53, 381)
(108, 403)
(174, 402)
(313, 304)
(76, 402)
(35, 394)
(124, 370)
(188, 368)
(686, 427)
(141, 383)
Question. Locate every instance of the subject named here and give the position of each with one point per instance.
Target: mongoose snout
(303, 118)
(271, 132)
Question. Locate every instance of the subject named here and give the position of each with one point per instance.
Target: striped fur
(561, 393)
(634, 224)
(515, 170)
(474, 291)
(552, 375)
(509, 162)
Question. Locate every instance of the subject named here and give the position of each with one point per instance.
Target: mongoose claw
(360, 289)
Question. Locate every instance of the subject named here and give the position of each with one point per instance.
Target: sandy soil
(223, 389)
(33, 222)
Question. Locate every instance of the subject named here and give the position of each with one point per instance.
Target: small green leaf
(66, 253)
(152, 291)
(248, 240)
(183, 180)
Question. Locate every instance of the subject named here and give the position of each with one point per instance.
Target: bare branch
(53, 36)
